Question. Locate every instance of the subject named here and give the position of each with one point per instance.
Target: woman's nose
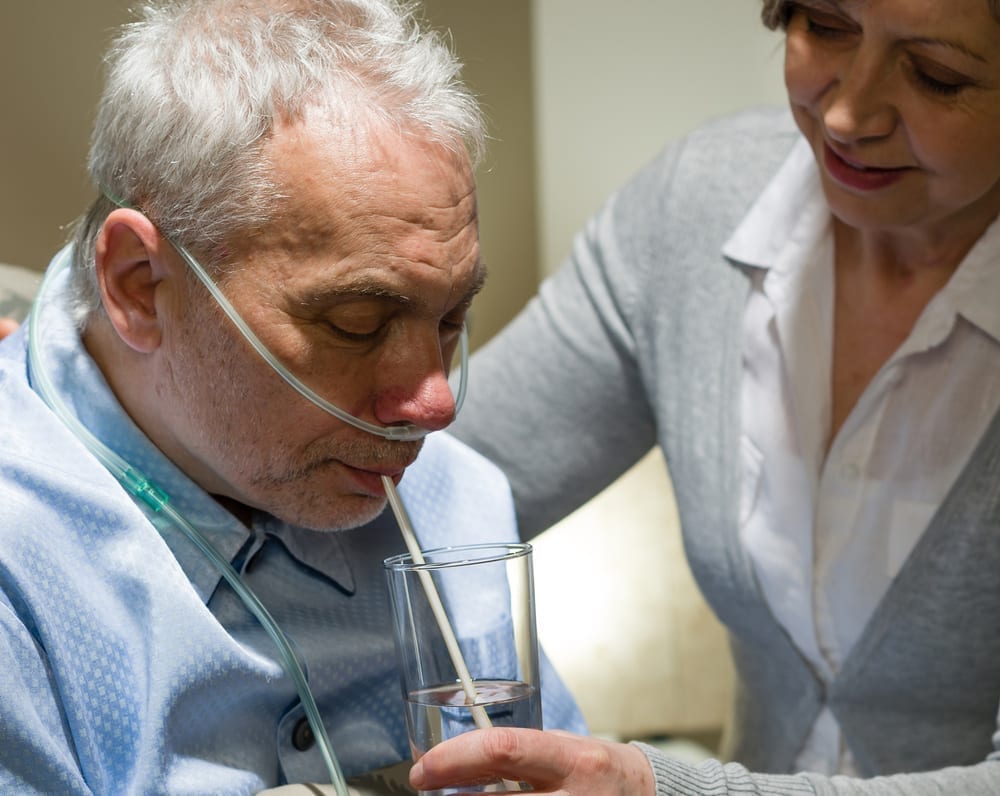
(859, 104)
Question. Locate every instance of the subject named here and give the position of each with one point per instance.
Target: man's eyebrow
(361, 286)
(478, 281)
(365, 286)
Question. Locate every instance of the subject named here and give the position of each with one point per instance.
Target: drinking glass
(464, 621)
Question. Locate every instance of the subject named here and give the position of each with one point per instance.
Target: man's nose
(417, 391)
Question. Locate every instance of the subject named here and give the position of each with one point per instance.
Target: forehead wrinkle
(455, 206)
(362, 231)
(443, 222)
(397, 241)
(428, 215)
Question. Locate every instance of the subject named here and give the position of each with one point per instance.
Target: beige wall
(616, 79)
(493, 38)
(50, 74)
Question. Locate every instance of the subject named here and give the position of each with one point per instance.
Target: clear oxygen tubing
(400, 433)
(141, 488)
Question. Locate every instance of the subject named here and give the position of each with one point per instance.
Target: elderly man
(286, 201)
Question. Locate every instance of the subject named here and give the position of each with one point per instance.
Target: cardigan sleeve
(712, 778)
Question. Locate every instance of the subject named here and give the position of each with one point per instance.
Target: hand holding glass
(464, 620)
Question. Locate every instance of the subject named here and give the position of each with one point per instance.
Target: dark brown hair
(775, 13)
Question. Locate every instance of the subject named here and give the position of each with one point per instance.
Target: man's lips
(371, 476)
(391, 470)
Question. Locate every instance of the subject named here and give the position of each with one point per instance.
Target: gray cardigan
(637, 341)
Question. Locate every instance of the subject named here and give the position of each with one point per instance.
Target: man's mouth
(392, 472)
(377, 471)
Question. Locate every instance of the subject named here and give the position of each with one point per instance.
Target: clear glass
(487, 596)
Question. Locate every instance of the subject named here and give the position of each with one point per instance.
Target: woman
(802, 312)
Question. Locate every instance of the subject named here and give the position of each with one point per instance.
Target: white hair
(194, 88)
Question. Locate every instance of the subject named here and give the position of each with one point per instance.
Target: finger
(7, 326)
(531, 756)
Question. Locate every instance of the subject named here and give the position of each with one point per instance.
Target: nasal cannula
(142, 489)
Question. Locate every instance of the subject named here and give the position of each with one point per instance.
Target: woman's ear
(132, 259)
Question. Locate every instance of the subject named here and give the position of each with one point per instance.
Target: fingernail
(417, 775)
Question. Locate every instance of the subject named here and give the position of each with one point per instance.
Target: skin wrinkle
(250, 425)
(369, 239)
(364, 231)
(249, 438)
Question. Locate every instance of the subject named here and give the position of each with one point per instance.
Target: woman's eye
(945, 85)
(937, 86)
(819, 29)
(826, 25)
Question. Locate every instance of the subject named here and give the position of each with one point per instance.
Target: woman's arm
(569, 765)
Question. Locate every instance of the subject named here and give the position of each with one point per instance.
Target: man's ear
(132, 260)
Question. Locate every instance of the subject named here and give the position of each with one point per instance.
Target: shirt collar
(793, 194)
(87, 395)
(320, 551)
(791, 211)
(974, 289)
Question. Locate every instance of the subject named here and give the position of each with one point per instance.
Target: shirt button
(302, 735)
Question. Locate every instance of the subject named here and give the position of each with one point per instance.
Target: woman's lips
(856, 176)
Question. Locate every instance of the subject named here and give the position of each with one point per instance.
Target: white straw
(454, 651)
(479, 714)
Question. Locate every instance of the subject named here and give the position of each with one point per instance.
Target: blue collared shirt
(126, 666)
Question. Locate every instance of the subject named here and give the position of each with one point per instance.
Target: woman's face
(900, 100)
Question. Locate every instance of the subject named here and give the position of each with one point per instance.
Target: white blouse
(828, 531)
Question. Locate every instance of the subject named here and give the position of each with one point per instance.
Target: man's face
(360, 287)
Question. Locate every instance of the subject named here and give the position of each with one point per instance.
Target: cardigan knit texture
(637, 341)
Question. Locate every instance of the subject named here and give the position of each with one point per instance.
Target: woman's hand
(551, 762)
